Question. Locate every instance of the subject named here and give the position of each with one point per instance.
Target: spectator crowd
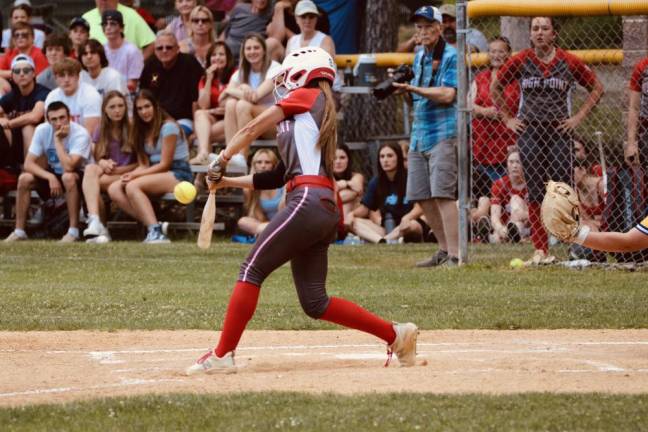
(123, 104)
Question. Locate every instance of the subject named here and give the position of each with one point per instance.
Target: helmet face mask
(300, 67)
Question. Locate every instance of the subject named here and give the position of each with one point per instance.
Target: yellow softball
(184, 192)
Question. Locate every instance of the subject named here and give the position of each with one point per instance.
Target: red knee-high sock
(351, 315)
(240, 309)
(538, 234)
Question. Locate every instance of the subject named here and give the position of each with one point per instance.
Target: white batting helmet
(304, 65)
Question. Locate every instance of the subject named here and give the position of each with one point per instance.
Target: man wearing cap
(122, 55)
(21, 110)
(432, 156)
(21, 12)
(56, 48)
(22, 35)
(136, 31)
(475, 39)
(173, 78)
(54, 168)
(82, 100)
(79, 33)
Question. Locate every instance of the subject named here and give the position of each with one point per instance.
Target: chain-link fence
(555, 111)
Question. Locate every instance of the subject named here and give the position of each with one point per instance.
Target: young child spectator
(490, 136)
(249, 92)
(252, 17)
(21, 110)
(283, 25)
(82, 100)
(114, 155)
(79, 34)
(56, 48)
(261, 205)
(209, 123)
(509, 203)
(122, 55)
(22, 36)
(162, 153)
(54, 167)
(201, 34)
(96, 71)
(385, 192)
(350, 185)
(136, 31)
(173, 78)
(21, 12)
(181, 24)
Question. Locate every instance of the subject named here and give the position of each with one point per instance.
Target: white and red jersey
(546, 88)
(298, 133)
(639, 83)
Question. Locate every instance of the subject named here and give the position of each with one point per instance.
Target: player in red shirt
(302, 231)
(636, 152)
(509, 209)
(545, 123)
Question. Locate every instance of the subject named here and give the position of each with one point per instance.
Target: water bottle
(389, 223)
(348, 74)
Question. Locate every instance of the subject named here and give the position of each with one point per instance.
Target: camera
(402, 74)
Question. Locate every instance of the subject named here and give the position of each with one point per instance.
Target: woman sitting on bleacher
(261, 205)
(114, 156)
(249, 92)
(349, 184)
(201, 35)
(162, 154)
(386, 192)
(209, 123)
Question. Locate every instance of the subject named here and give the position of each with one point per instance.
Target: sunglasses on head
(164, 48)
(200, 20)
(24, 35)
(25, 70)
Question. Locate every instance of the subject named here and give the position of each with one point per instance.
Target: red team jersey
(639, 83)
(545, 87)
(491, 137)
(501, 192)
(303, 107)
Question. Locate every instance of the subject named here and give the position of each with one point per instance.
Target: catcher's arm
(632, 240)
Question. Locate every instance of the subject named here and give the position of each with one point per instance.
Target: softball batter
(300, 233)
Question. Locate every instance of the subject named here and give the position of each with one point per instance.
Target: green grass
(125, 285)
(294, 411)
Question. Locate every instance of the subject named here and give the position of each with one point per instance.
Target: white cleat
(404, 345)
(209, 364)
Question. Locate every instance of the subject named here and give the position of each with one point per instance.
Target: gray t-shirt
(243, 21)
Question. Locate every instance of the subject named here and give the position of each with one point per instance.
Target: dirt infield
(52, 367)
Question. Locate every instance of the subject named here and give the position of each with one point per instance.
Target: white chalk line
(122, 383)
(546, 344)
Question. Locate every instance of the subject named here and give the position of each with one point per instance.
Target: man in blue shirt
(432, 159)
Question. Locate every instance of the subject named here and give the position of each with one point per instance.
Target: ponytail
(328, 131)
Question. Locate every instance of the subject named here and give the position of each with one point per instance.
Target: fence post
(463, 145)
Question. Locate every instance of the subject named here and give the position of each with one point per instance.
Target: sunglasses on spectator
(24, 71)
(200, 20)
(165, 48)
(18, 35)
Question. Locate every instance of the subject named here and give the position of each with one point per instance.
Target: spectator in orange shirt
(22, 35)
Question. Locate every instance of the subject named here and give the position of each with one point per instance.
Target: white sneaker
(209, 363)
(13, 237)
(404, 345)
(237, 164)
(95, 228)
(100, 239)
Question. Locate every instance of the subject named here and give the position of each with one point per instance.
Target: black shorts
(42, 186)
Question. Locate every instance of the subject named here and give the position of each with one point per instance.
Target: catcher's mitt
(559, 211)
